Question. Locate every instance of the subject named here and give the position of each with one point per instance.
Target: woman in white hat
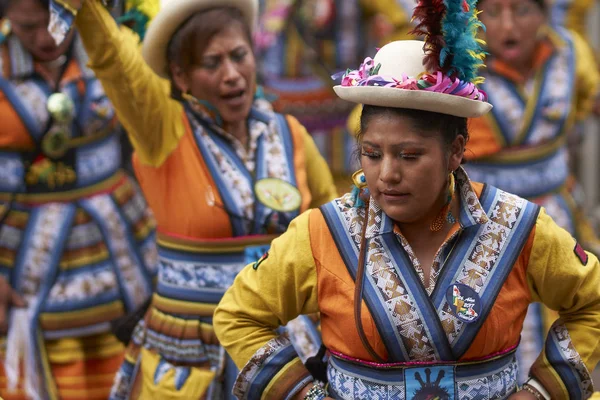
(222, 172)
(421, 276)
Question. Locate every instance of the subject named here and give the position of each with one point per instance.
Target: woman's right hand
(8, 297)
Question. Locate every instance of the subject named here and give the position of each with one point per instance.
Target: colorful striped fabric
(102, 267)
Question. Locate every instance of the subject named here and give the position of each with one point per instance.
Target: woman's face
(29, 22)
(226, 75)
(407, 172)
(512, 28)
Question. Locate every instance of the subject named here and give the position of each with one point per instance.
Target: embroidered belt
(90, 164)
(525, 179)
(494, 378)
(201, 270)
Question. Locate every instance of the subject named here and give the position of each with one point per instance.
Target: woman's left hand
(522, 395)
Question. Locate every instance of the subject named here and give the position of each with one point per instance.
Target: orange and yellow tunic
(200, 182)
(452, 338)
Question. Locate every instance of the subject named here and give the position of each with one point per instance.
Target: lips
(391, 196)
(234, 98)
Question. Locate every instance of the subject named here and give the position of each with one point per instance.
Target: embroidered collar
(260, 120)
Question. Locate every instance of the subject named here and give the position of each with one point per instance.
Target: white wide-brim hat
(172, 14)
(406, 57)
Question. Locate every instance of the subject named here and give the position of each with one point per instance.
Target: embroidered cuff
(562, 372)
(274, 372)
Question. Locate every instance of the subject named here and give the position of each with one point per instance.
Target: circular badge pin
(56, 143)
(278, 194)
(61, 107)
(464, 302)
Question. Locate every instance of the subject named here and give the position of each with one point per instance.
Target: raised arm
(566, 279)
(265, 295)
(153, 120)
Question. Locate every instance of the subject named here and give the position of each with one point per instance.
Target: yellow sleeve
(265, 295)
(152, 119)
(565, 279)
(576, 15)
(320, 180)
(587, 77)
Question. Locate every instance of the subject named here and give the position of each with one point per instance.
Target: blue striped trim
(261, 212)
(128, 298)
(201, 258)
(86, 330)
(132, 243)
(461, 250)
(97, 166)
(28, 120)
(503, 125)
(237, 224)
(497, 276)
(349, 253)
(62, 227)
(288, 145)
(395, 375)
(199, 295)
(412, 283)
(563, 368)
(270, 367)
(79, 305)
(546, 84)
(550, 171)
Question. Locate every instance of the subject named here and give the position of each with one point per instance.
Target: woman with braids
(222, 172)
(542, 82)
(422, 276)
(76, 238)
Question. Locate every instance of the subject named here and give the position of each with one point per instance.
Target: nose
(231, 74)
(389, 171)
(507, 20)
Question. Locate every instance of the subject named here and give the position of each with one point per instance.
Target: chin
(47, 57)
(233, 117)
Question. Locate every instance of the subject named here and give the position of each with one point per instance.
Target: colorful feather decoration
(429, 14)
(450, 29)
(462, 54)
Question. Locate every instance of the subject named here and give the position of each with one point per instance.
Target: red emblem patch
(581, 254)
(260, 260)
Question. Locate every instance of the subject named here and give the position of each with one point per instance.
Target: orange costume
(452, 339)
(76, 238)
(201, 184)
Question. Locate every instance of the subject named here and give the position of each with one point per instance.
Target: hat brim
(414, 99)
(170, 18)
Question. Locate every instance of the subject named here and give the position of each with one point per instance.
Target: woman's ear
(180, 79)
(457, 151)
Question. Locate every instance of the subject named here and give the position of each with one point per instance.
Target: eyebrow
(402, 145)
(219, 55)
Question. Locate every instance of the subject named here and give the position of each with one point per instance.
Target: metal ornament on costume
(55, 143)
